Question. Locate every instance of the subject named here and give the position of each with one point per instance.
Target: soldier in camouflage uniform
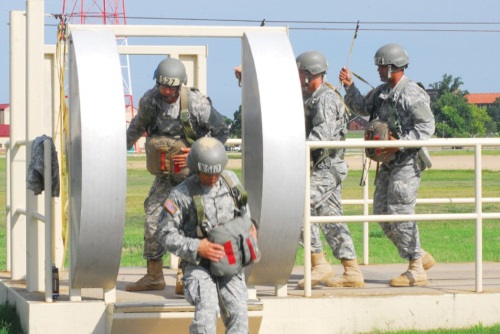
(179, 233)
(398, 180)
(159, 115)
(326, 121)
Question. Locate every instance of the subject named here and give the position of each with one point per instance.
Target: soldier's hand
(253, 232)
(388, 151)
(237, 74)
(180, 159)
(209, 250)
(345, 77)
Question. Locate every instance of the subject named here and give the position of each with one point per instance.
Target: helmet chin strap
(389, 71)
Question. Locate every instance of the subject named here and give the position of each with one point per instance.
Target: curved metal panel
(273, 151)
(97, 159)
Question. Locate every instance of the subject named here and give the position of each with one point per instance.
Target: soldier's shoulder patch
(170, 206)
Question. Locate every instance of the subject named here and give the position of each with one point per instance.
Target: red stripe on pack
(252, 250)
(228, 249)
(162, 164)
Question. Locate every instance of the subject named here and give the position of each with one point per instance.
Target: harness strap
(236, 190)
(392, 100)
(195, 191)
(239, 194)
(184, 117)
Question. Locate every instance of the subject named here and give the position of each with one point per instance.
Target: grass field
(451, 241)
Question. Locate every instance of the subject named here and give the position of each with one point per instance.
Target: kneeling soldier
(206, 201)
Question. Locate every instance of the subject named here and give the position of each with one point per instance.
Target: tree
(448, 85)
(494, 112)
(236, 127)
(479, 119)
(452, 112)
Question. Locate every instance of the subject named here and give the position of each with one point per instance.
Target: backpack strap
(392, 100)
(184, 117)
(195, 192)
(236, 190)
(239, 194)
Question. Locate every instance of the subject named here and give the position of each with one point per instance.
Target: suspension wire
(314, 28)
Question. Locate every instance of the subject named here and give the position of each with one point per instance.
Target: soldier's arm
(137, 126)
(171, 235)
(422, 117)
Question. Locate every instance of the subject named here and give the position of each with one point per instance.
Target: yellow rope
(63, 126)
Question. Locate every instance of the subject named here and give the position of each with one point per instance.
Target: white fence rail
(478, 200)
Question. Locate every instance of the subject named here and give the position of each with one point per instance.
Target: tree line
(454, 116)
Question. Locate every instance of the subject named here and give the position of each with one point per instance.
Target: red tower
(103, 12)
(95, 12)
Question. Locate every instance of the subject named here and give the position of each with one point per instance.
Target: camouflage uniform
(157, 117)
(177, 233)
(398, 181)
(326, 121)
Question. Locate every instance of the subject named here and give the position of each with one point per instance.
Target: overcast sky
(456, 37)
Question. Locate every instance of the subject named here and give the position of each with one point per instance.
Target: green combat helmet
(207, 156)
(170, 72)
(391, 54)
(312, 61)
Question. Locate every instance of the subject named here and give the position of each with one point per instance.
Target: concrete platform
(449, 301)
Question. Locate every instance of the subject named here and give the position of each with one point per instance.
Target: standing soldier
(326, 121)
(173, 116)
(406, 107)
(211, 198)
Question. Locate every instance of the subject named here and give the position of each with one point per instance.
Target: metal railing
(478, 215)
(45, 218)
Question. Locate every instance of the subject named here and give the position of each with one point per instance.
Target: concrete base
(449, 301)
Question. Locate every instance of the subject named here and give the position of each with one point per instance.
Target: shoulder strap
(195, 191)
(239, 194)
(346, 108)
(393, 115)
(186, 125)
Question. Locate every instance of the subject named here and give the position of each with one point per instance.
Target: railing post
(479, 219)
(47, 180)
(307, 228)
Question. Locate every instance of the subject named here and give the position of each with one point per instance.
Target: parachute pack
(240, 247)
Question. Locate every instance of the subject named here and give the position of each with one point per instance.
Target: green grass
(451, 241)
(9, 320)
(477, 329)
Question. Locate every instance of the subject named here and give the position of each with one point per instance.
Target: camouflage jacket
(415, 117)
(179, 221)
(156, 117)
(326, 118)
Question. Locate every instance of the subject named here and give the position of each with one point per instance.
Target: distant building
(482, 99)
(4, 125)
(358, 123)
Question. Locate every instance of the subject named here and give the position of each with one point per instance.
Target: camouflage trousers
(212, 295)
(326, 196)
(396, 191)
(153, 205)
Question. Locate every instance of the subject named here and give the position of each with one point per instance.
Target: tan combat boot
(414, 276)
(351, 278)
(427, 260)
(179, 283)
(153, 280)
(321, 270)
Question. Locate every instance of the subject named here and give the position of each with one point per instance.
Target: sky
(455, 37)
